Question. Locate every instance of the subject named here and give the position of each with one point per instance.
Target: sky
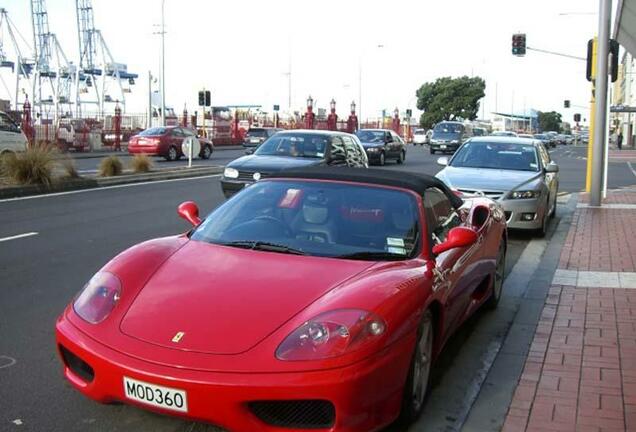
(241, 51)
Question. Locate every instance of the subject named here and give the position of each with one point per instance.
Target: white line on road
(19, 236)
(105, 188)
(631, 168)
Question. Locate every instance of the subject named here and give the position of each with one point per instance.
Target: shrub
(110, 166)
(34, 166)
(141, 163)
(69, 167)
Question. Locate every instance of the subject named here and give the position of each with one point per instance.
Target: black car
(256, 135)
(293, 149)
(382, 144)
(448, 136)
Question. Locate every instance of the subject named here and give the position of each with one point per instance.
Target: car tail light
(331, 334)
(98, 298)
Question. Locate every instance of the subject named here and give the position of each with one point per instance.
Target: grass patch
(141, 163)
(69, 167)
(34, 166)
(110, 166)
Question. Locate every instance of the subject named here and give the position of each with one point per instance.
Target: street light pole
(600, 131)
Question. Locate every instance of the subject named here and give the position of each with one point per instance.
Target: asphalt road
(78, 232)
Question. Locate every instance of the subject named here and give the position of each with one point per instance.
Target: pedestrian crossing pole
(590, 144)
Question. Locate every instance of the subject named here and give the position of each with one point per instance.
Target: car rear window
(153, 131)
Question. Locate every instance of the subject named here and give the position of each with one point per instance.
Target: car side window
(440, 214)
(396, 138)
(545, 156)
(6, 123)
(388, 137)
(187, 132)
(338, 148)
(177, 132)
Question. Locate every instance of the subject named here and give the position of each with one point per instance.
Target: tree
(449, 99)
(550, 121)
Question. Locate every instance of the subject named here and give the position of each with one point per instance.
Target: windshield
(541, 136)
(504, 156)
(153, 131)
(419, 132)
(319, 219)
(448, 128)
(257, 133)
(371, 136)
(295, 145)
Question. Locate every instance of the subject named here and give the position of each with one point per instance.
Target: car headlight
(332, 334)
(372, 149)
(524, 194)
(98, 298)
(434, 141)
(230, 173)
(455, 142)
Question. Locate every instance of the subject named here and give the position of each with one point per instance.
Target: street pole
(149, 123)
(163, 66)
(600, 127)
(360, 90)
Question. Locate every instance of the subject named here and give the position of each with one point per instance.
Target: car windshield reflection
(317, 218)
(503, 156)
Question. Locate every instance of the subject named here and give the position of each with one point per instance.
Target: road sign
(190, 147)
(276, 107)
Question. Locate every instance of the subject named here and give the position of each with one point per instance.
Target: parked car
(525, 136)
(381, 145)
(293, 149)
(516, 172)
(552, 136)
(479, 131)
(569, 139)
(503, 134)
(448, 136)
(314, 301)
(420, 137)
(256, 135)
(12, 139)
(545, 140)
(561, 139)
(167, 142)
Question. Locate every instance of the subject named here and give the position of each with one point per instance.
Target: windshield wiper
(264, 246)
(370, 255)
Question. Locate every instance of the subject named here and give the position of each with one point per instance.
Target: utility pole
(600, 126)
(163, 66)
(149, 123)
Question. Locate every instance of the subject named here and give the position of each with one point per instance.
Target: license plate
(443, 146)
(155, 395)
(254, 140)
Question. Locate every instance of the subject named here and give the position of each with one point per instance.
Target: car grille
(495, 195)
(299, 414)
(249, 176)
(77, 365)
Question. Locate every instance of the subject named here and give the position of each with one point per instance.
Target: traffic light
(409, 112)
(204, 98)
(566, 104)
(519, 44)
(613, 66)
(577, 117)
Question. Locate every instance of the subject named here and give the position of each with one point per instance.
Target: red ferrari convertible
(316, 300)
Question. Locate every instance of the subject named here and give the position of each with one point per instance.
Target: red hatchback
(166, 142)
(316, 300)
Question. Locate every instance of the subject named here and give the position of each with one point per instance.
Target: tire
(418, 381)
(543, 230)
(382, 159)
(206, 152)
(432, 151)
(173, 154)
(553, 213)
(498, 277)
(400, 160)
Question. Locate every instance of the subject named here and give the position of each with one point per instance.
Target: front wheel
(554, 208)
(417, 383)
(382, 159)
(173, 154)
(432, 151)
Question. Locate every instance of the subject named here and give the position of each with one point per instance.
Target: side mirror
(552, 168)
(457, 237)
(190, 212)
(443, 161)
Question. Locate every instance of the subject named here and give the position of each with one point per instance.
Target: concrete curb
(88, 183)
(100, 154)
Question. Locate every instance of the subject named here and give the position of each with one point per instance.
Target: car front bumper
(516, 209)
(448, 146)
(365, 396)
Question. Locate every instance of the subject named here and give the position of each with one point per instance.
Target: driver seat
(314, 221)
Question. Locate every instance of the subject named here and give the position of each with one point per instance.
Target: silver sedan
(517, 172)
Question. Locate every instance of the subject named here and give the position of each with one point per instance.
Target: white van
(12, 139)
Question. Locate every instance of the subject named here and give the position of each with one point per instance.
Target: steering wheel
(278, 222)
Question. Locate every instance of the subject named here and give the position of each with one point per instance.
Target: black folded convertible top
(412, 181)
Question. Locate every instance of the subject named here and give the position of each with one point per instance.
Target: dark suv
(293, 149)
(256, 135)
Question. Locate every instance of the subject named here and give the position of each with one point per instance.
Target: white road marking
(631, 168)
(17, 422)
(19, 236)
(6, 361)
(609, 206)
(105, 188)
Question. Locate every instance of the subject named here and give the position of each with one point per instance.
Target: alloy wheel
(422, 363)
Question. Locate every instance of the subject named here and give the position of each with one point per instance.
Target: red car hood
(225, 300)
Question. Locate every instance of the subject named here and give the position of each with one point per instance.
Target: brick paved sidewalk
(580, 374)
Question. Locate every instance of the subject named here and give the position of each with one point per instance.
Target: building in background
(527, 122)
(623, 116)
